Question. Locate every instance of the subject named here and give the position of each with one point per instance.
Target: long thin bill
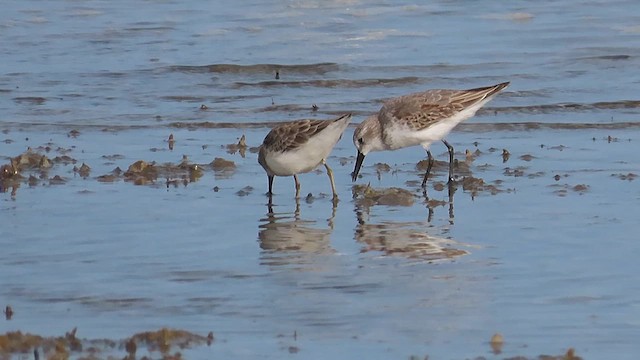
(356, 170)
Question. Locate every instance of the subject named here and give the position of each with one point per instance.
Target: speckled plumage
(419, 119)
(424, 109)
(300, 146)
(292, 135)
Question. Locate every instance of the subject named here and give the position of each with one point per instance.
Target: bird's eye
(360, 141)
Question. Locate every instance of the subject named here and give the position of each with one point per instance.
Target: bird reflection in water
(432, 203)
(286, 238)
(407, 239)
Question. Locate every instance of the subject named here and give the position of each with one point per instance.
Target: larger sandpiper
(419, 119)
(299, 147)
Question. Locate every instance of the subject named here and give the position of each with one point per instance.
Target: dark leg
(450, 148)
(270, 185)
(295, 178)
(429, 166)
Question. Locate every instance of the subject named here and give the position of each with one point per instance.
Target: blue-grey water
(544, 253)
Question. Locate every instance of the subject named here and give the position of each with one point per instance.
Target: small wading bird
(299, 147)
(419, 119)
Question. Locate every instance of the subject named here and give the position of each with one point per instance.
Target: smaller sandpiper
(419, 119)
(299, 147)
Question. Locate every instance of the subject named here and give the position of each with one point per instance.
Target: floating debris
(517, 172)
(496, 342)
(382, 167)
(32, 181)
(240, 146)
(131, 348)
(113, 176)
(44, 163)
(629, 176)
(31, 160)
(141, 172)
(57, 180)
(475, 185)
(10, 170)
(220, 164)
(570, 355)
(309, 199)
(244, 191)
(83, 170)
(469, 155)
(581, 188)
(368, 196)
(171, 141)
(505, 155)
(185, 164)
(64, 159)
(138, 167)
(439, 186)
(422, 165)
(34, 100)
(8, 312)
(536, 174)
(514, 16)
(163, 339)
(113, 157)
(63, 347)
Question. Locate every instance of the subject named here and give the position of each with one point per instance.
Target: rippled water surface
(539, 246)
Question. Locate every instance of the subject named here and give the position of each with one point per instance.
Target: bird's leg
(450, 148)
(270, 185)
(330, 174)
(429, 166)
(295, 178)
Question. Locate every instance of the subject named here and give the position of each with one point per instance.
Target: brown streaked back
(421, 110)
(292, 135)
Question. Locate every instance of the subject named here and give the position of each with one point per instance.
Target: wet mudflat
(526, 245)
(133, 210)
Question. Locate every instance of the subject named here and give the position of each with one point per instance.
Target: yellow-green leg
(333, 184)
(295, 178)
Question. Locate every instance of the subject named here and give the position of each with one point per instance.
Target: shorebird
(299, 147)
(419, 119)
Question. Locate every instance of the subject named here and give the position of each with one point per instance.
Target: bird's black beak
(356, 170)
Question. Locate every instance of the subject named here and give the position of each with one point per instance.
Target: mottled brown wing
(421, 110)
(294, 134)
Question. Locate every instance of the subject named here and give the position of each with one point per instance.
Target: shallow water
(546, 261)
